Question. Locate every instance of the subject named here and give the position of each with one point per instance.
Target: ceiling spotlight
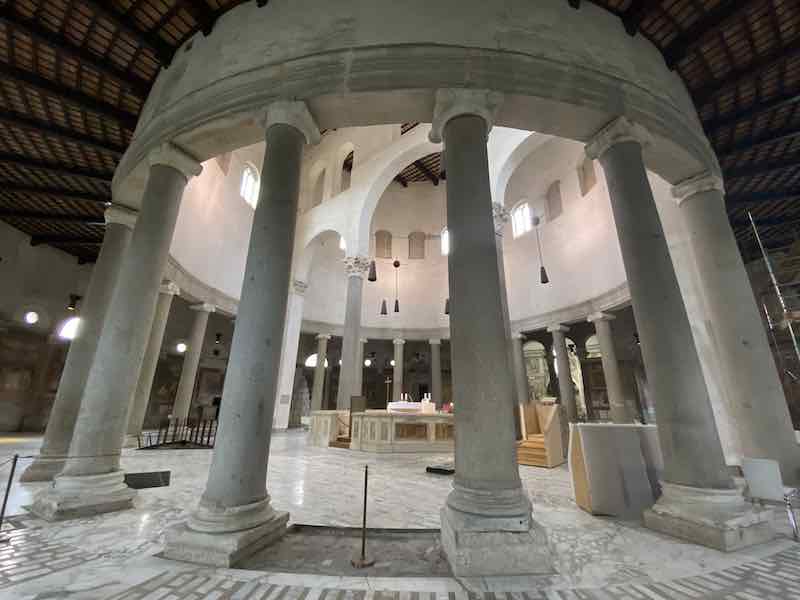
(31, 317)
(181, 347)
(391, 362)
(69, 329)
(368, 363)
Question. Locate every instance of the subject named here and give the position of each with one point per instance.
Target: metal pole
(362, 562)
(8, 492)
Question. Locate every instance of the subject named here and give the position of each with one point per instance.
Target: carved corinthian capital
(356, 266)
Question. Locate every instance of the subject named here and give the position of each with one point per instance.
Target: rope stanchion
(14, 460)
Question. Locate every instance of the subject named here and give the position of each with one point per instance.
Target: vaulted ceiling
(74, 75)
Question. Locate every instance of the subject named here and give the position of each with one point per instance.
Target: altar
(384, 431)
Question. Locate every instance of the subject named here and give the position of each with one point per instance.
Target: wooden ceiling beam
(63, 45)
(160, 48)
(44, 217)
(202, 13)
(770, 137)
(633, 17)
(55, 168)
(13, 187)
(731, 80)
(697, 33)
(64, 240)
(427, 172)
(763, 167)
(13, 119)
(67, 94)
(759, 108)
(750, 198)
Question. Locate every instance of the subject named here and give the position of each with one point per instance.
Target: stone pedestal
(85, 496)
(234, 517)
(61, 424)
(487, 527)
(720, 519)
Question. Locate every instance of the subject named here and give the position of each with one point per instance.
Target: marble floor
(115, 555)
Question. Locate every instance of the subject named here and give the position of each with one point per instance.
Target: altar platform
(383, 431)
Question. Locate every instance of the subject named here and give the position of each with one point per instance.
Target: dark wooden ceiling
(75, 74)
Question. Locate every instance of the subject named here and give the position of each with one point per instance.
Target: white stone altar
(327, 426)
(384, 431)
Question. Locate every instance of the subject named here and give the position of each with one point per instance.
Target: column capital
(557, 327)
(171, 156)
(296, 114)
(299, 287)
(616, 132)
(204, 307)
(170, 288)
(435, 342)
(501, 216)
(455, 102)
(398, 342)
(323, 336)
(356, 266)
(600, 316)
(121, 216)
(702, 182)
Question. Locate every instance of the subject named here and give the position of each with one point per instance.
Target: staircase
(533, 452)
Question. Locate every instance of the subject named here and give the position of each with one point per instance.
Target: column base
(482, 545)
(83, 496)
(222, 549)
(42, 469)
(131, 441)
(719, 519)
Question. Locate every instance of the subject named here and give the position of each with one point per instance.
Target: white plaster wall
(37, 278)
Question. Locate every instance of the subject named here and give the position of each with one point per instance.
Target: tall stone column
(699, 501)
(754, 389)
(436, 372)
(141, 398)
(358, 388)
(355, 267)
(191, 361)
(518, 365)
(61, 424)
(291, 343)
(608, 355)
(234, 517)
(566, 391)
(319, 372)
(91, 481)
(397, 375)
(487, 526)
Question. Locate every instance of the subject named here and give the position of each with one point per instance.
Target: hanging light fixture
(73, 302)
(384, 312)
(447, 306)
(542, 271)
(373, 272)
(396, 265)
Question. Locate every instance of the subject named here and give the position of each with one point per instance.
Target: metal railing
(181, 433)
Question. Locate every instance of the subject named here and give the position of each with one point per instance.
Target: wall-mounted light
(73, 301)
(31, 317)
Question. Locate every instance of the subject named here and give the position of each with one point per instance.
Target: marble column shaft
(319, 372)
(191, 361)
(566, 390)
(358, 388)
(144, 387)
(236, 497)
(397, 375)
(284, 399)
(114, 374)
(619, 412)
(436, 372)
(356, 267)
(755, 393)
(61, 424)
(686, 425)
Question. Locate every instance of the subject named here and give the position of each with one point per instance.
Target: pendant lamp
(373, 272)
(543, 278)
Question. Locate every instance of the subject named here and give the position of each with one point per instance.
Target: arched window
(250, 185)
(319, 189)
(554, 202)
(383, 244)
(311, 361)
(445, 242)
(416, 245)
(521, 219)
(587, 178)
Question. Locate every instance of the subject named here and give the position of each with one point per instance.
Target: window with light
(521, 221)
(445, 242)
(250, 185)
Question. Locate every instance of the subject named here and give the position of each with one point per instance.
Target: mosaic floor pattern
(115, 555)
